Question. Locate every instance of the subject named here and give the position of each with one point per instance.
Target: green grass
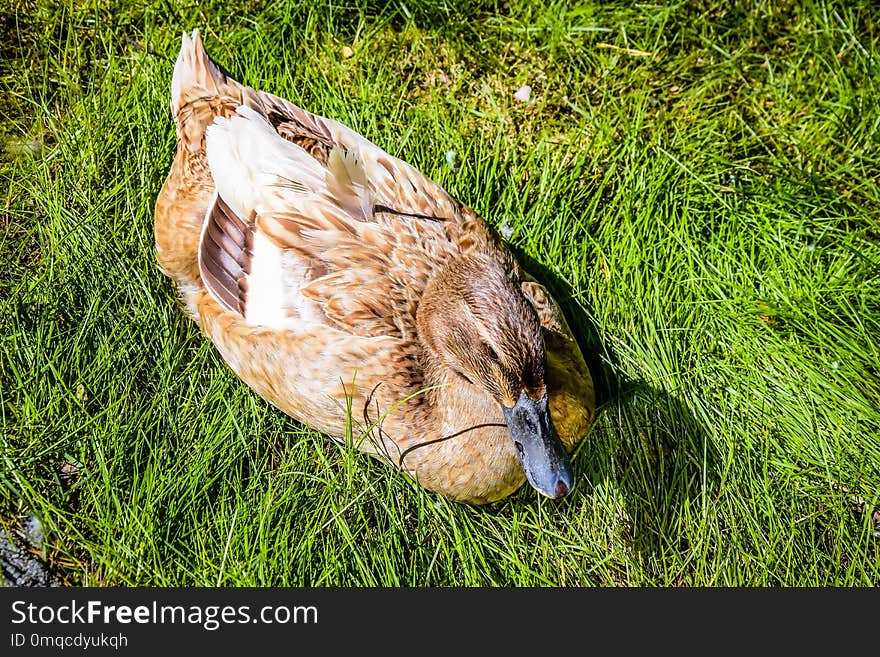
(697, 181)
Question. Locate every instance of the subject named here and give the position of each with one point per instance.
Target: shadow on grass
(646, 441)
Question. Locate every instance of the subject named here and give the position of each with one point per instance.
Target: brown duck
(356, 295)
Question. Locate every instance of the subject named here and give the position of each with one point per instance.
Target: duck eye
(464, 376)
(491, 354)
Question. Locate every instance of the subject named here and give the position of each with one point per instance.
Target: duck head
(477, 325)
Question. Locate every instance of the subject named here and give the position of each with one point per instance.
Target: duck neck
(458, 405)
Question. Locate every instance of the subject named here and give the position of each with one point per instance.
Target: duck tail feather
(196, 75)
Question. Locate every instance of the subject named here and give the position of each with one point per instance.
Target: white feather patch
(256, 169)
(265, 299)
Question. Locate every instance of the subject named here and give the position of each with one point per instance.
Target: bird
(357, 296)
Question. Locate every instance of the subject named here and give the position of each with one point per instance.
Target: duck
(356, 295)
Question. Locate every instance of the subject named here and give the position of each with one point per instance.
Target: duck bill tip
(543, 458)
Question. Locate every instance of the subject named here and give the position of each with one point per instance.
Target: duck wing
(398, 190)
(396, 187)
(293, 238)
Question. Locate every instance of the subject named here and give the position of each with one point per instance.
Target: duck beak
(540, 451)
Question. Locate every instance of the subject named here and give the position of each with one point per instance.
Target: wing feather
(225, 251)
(393, 184)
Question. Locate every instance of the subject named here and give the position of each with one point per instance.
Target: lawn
(697, 182)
